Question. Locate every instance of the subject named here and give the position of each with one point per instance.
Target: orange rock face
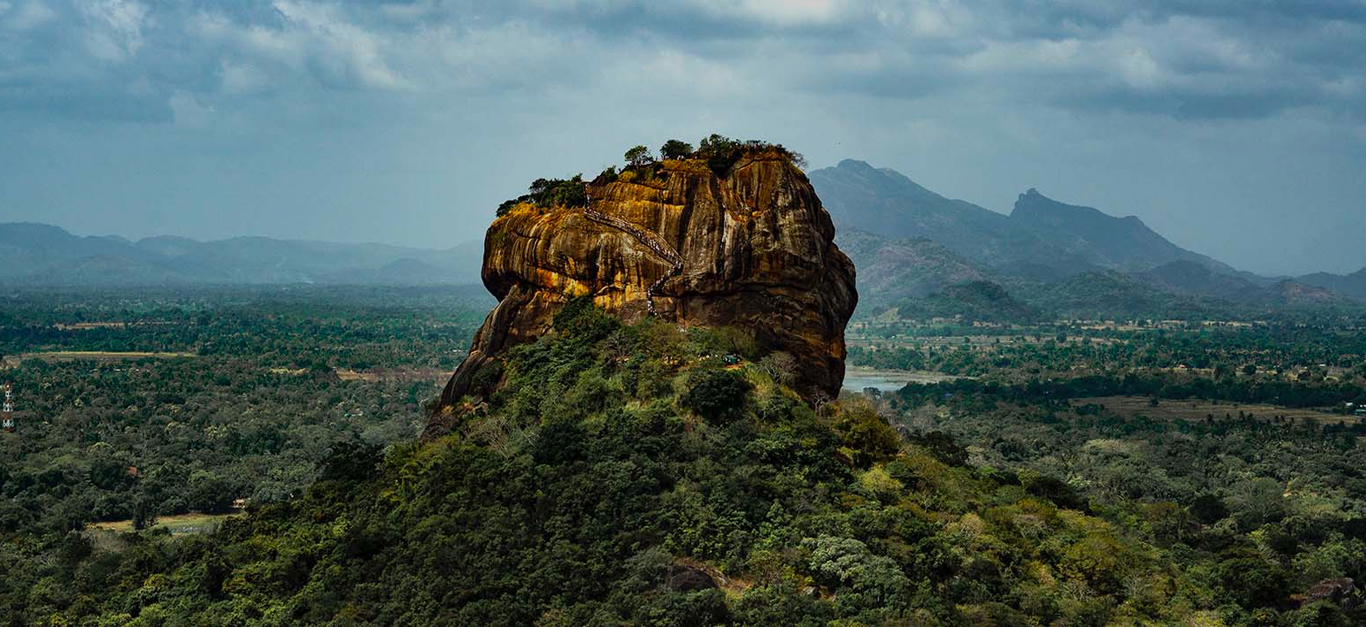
(752, 249)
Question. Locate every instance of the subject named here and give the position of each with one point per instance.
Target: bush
(716, 395)
(943, 448)
(868, 434)
(1208, 509)
(572, 192)
(580, 320)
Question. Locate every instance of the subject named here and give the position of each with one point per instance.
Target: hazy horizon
(1233, 129)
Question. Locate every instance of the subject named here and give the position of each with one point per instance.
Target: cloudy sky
(1235, 127)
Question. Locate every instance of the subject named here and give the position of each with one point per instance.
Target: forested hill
(918, 251)
(626, 474)
(1353, 285)
(887, 203)
(1041, 237)
(1106, 241)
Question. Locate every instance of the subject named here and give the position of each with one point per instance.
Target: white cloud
(116, 33)
(993, 95)
(242, 78)
(782, 13)
(312, 40)
(930, 19)
(187, 109)
(343, 48)
(25, 16)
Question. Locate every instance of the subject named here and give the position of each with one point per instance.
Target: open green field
(13, 361)
(1192, 410)
(177, 525)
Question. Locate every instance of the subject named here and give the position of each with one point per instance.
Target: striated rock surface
(752, 248)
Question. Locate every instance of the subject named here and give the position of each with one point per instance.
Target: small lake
(856, 378)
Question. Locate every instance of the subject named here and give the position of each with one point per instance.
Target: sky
(1236, 128)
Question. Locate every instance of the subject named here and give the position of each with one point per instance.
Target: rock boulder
(750, 248)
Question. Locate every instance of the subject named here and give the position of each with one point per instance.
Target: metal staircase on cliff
(651, 240)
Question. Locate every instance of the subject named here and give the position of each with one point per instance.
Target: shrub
(580, 320)
(1208, 509)
(572, 192)
(868, 433)
(716, 395)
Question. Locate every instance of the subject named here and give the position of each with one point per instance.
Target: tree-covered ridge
(644, 474)
(1243, 358)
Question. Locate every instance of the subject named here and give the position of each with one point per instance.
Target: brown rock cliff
(752, 248)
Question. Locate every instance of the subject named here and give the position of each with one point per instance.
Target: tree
(869, 435)
(638, 156)
(1257, 501)
(717, 143)
(846, 562)
(716, 395)
(1250, 580)
(1208, 509)
(144, 513)
(781, 366)
(675, 149)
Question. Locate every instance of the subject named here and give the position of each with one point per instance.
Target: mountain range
(915, 250)
(922, 252)
(41, 254)
(1040, 237)
(1353, 285)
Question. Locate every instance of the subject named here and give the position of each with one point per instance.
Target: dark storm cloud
(303, 110)
(1206, 59)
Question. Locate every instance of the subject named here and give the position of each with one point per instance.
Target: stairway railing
(651, 240)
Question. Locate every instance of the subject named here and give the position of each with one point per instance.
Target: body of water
(856, 378)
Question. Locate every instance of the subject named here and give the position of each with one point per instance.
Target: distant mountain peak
(32, 228)
(1352, 285)
(1040, 238)
(854, 164)
(1033, 204)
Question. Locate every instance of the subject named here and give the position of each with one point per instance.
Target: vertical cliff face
(751, 248)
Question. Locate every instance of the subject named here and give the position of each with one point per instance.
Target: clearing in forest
(179, 524)
(13, 361)
(1197, 410)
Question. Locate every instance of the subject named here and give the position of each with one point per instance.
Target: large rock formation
(751, 248)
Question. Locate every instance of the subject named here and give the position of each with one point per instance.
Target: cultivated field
(13, 361)
(1199, 410)
(395, 374)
